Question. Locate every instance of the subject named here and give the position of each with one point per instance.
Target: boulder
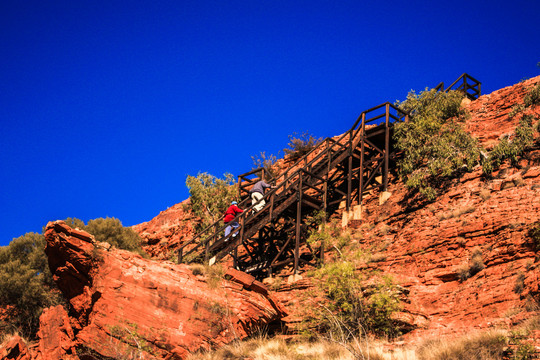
(124, 305)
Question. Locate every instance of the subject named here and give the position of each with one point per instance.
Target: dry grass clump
(485, 194)
(474, 266)
(263, 348)
(456, 213)
(214, 274)
(484, 346)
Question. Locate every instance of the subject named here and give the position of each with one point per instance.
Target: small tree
(26, 284)
(434, 144)
(210, 196)
(299, 145)
(112, 231)
(513, 146)
(267, 162)
(354, 305)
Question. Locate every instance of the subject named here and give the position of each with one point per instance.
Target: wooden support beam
(386, 148)
(362, 152)
(298, 223)
(349, 184)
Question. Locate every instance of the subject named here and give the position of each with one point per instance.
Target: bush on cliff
(534, 235)
(26, 284)
(268, 162)
(435, 146)
(513, 146)
(112, 231)
(210, 196)
(352, 307)
(299, 145)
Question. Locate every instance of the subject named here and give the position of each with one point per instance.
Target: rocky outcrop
(15, 349)
(466, 259)
(167, 231)
(56, 337)
(490, 118)
(124, 305)
(465, 262)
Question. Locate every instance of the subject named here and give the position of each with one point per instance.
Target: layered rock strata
(124, 305)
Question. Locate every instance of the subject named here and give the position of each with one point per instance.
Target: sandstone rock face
(56, 337)
(435, 251)
(466, 259)
(15, 349)
(489, 113)
(166, 232)
(122, 304)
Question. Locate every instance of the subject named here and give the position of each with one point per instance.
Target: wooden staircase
(336, 171)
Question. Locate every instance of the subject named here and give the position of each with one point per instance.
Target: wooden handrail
(305, 173)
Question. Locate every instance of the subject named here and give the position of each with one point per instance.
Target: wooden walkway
(335, 171)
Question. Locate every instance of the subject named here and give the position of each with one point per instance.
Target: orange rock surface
(166, 232)
(466, 263)
(427, 247)
(122, 304)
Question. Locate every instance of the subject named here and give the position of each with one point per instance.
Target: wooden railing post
(238, 186)
(325, 204)
(349, 182)
(298, 224)
(386, 148)
(362, 149)
(272, 198)
(180, 255)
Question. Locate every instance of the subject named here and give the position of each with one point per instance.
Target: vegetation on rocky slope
(512, 146)
(210, 196)
(26, 284)
(356, 303)
(436, 148)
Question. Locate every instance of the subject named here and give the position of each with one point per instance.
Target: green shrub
(533, 96)
(511, 147)
(75, 223)
(435, 147)
(111, 230)
(534, 235)
(26, 284)
(358, 307)
(299, 145)
(266, 162)
(210, 196)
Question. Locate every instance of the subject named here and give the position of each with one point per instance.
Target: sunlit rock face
(121, 303)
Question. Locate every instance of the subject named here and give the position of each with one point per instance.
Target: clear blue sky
(107, 106)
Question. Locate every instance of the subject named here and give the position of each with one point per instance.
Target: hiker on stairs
(257, 193)
(230, 214)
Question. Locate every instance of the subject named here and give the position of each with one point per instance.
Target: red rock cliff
(428, 248)
(123, 304)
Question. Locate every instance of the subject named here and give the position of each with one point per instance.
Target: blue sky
(107, 106)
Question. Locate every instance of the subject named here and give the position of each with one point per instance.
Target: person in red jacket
(230, 214)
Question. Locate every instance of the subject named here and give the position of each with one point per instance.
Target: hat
(234, 203)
